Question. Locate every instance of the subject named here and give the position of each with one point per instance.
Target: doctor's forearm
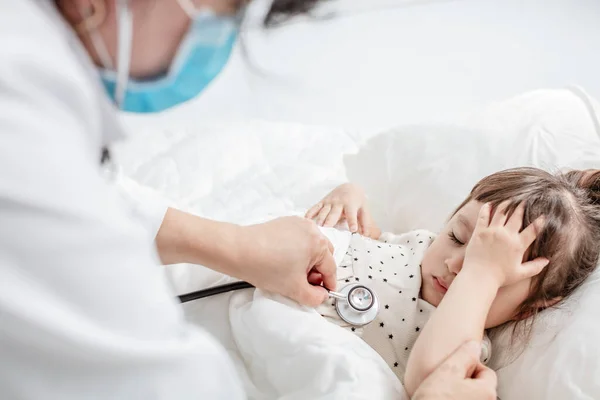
(186, 238)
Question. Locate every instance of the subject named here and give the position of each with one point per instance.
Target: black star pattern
(406, 265)
(356, 279)
(411, 276)
(391, 336)
(406, 348)
(420, 310)
(370, 277)
(381, 324)
(414, 299)
(384, 279)
(353, 329)
(408, 241)
(417, 329)
(387, 306)
(369, 251)
(380, 270)
(411, 249)
(400, 292)
(402, 254)
(395, 364)
(347, 280)
(392, 257)
(395, 273)
(370, 267)
(378, 246)
(355, 259)
(381, 262)
(402, 319)
(420, 241)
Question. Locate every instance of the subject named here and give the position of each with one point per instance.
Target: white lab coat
(85, 311)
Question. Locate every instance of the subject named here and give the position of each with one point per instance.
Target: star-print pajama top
(391, 267)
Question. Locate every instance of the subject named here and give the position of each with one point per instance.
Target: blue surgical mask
(202, 54)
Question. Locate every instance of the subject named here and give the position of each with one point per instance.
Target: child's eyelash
(454, 238)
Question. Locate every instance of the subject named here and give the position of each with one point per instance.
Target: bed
(413, 88)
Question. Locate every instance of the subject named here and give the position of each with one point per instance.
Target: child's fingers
(483, 219)
(364, 221)
(515, 222)
(499, 218)
(314, 210)
(529, 234)
(533, 267)
(350, 212)
(334, 215)
(323, 214)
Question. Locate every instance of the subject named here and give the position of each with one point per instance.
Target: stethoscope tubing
(212, 291)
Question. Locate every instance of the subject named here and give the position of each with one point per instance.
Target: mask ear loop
(188, 7)
(94, 16)
(125, 35)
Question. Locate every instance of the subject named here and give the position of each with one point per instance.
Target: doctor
(84, 312)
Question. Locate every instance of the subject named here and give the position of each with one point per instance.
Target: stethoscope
(356, 304)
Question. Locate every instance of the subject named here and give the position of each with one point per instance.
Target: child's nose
(455, 264)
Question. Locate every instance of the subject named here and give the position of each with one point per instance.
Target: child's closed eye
(454, 238)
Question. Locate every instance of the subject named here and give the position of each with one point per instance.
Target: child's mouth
(439, 285)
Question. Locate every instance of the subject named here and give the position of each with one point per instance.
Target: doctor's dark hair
(570, 237)
(282, 10)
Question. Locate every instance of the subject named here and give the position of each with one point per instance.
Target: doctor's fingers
(325, 265)
(485, 376)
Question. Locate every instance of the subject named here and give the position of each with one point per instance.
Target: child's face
(444, 259)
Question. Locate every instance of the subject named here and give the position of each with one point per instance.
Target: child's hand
(497, 247)
(347, 202)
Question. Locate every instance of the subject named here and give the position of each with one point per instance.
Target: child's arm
(345, 202)
(459, 318)
(493, 259)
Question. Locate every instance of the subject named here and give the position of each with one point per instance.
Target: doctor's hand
(460, 377)
(345, 202)
(289, 256)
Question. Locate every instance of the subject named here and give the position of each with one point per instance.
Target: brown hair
(570, 237)
(282, 10)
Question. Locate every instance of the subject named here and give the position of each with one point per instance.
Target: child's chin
(431, 296)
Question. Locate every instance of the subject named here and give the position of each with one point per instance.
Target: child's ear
(539, 306)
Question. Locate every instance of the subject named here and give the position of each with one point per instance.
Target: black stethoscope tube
(212, 291)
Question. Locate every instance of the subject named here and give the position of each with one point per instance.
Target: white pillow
(415, 177)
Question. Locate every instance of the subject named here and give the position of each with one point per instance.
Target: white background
(381, 63)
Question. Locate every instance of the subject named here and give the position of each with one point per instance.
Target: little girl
(522, 241)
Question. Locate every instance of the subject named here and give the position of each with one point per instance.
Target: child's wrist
(483, 277)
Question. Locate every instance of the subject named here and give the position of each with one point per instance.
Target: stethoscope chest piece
(360, 305)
